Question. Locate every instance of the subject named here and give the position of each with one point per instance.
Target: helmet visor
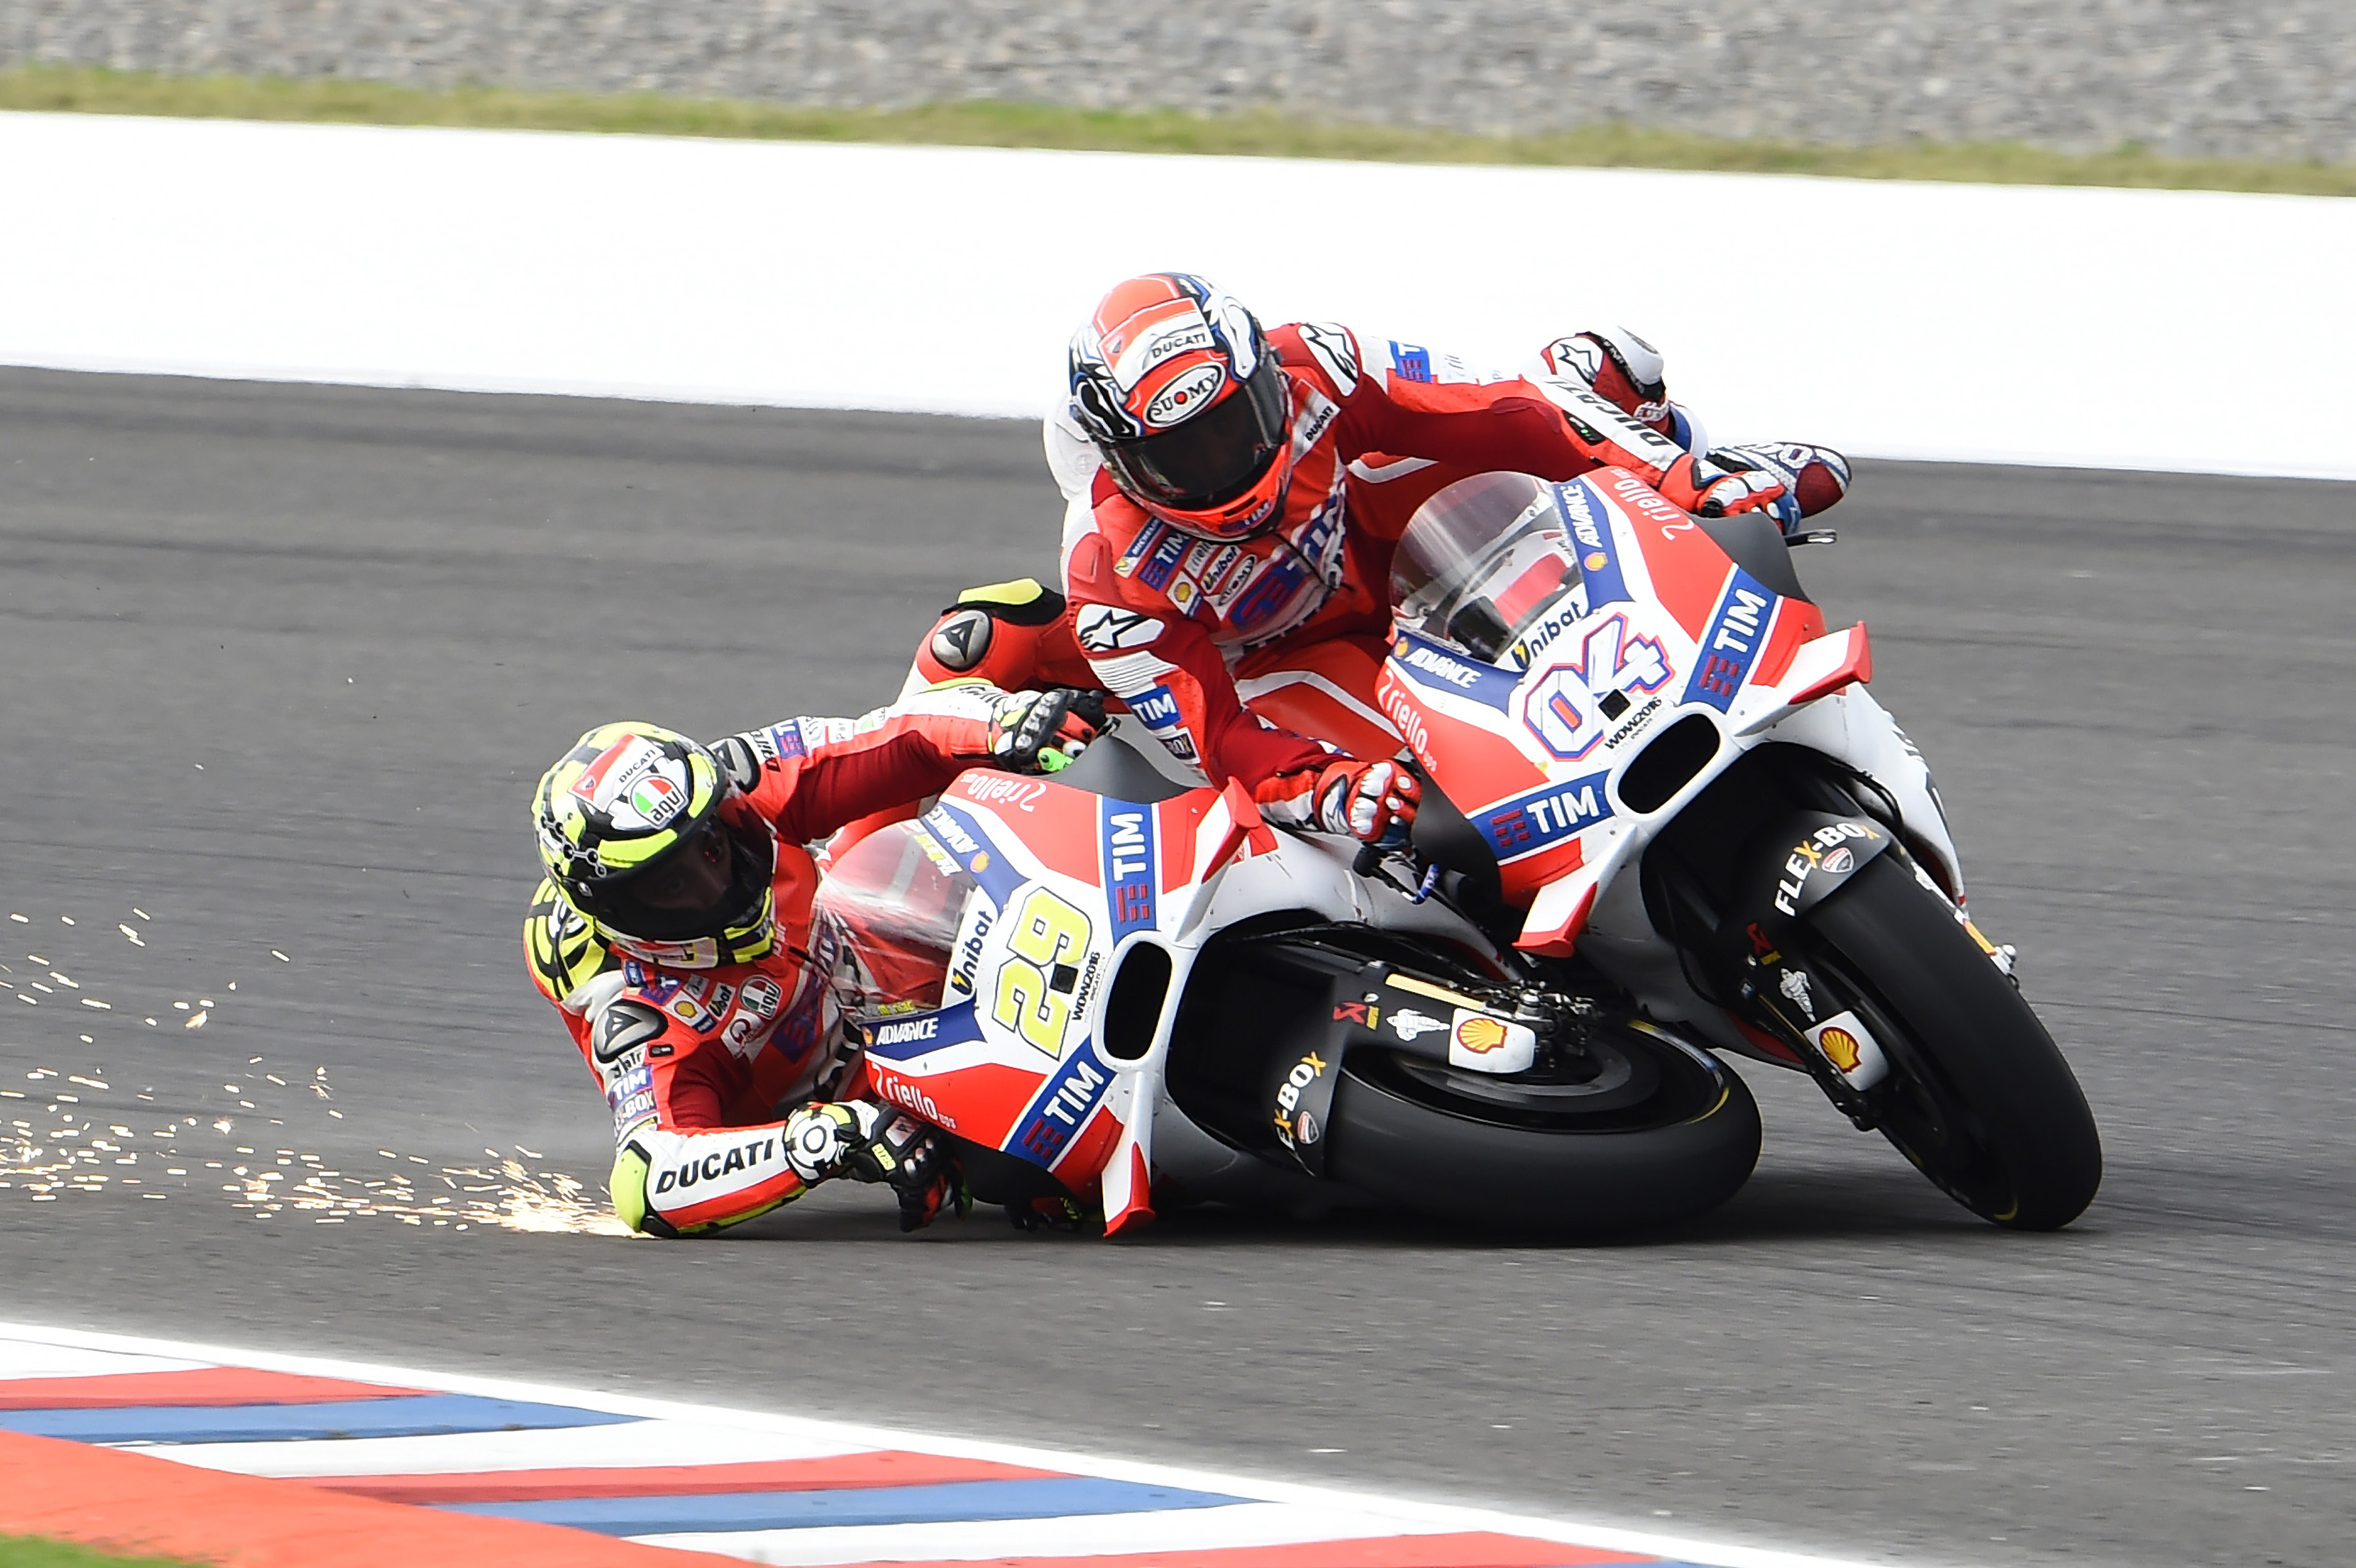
(707, 884)
(1215, 456)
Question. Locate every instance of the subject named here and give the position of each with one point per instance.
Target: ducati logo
(961, 642)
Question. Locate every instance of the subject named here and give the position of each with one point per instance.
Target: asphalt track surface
(281, 664)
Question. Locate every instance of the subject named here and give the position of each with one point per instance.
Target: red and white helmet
(1186, 403)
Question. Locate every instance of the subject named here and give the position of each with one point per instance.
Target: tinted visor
(1215, 456)
(708, 884)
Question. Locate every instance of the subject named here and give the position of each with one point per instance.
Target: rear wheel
(1979, 1097)
(1639, 1130)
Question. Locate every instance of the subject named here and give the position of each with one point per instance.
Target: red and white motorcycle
(1684, 825)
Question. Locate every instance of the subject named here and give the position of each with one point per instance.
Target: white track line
(1382, 1514)
(2003, 323)
(34, 1360)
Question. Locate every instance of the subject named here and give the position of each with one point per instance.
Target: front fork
(1819, 1017)
(1782, 996)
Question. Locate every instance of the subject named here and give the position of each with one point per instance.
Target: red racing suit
(1295, 623)
(700, 1066)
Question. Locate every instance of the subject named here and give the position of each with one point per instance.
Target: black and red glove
(1042, 732)
(876, 1143)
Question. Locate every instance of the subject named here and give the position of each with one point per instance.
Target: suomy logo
(1185, 396)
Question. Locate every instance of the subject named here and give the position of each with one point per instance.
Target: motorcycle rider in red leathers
(1236, 496)
(674, 934)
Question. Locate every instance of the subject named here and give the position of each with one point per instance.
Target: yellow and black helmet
(633, 832)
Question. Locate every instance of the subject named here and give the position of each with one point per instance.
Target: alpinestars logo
(1336, 355)
(1107, 629)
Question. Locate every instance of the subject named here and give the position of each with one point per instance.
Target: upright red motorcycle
(1686, 827)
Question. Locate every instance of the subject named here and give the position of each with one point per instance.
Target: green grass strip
(23, 1551)
(1257, 134)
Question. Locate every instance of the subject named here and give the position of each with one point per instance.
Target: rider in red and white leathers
(676, 936)
(1235, 498)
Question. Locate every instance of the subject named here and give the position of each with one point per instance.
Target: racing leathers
(1231, 654)
(704, 1064)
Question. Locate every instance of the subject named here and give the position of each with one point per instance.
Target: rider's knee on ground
(688, 1181)
(628, 1186)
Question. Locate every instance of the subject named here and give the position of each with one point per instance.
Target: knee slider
(963, 638)
(628, 1186)
(1022, 602)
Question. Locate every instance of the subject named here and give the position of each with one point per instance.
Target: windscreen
(898, 907)
(1481, 561)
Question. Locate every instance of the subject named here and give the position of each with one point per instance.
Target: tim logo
(1155, 707)
(1731, 641)
(1129, 855)
(1543, 817)
(1562, 710)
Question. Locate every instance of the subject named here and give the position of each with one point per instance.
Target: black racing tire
(1679, 1139)
(1979, 1097)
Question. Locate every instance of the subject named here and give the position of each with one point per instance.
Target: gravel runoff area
(2266, 79)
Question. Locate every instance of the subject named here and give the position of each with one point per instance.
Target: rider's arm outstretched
(807, 777)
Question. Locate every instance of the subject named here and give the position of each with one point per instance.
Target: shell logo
(1840, 1048)
(1480, 1035)
(1596, 560)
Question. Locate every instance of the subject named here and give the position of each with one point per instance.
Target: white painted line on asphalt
(43, 1360)
(1390, 1514)
(2180, 330)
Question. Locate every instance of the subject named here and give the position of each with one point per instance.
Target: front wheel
(1979, 1097)
(1641, 1129)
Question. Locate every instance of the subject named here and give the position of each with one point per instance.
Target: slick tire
(1979, 1098)
(1410, 1140)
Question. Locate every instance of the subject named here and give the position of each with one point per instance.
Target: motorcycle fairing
(1649, 621)
(1798, 862)
(1437, 668)
(1060, 885)
(1729, 644)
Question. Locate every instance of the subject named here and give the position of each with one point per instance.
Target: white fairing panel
(1851, 726)
(1848, 726)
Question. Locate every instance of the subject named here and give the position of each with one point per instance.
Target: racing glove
(870, 1143)
(1700, 486)
(1367, 801)
(1042, 732)
(1813, 478)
